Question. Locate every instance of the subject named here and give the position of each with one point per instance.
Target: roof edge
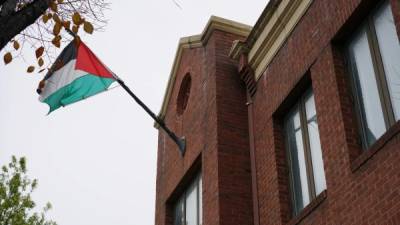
(245, 46)
(270, 33)
(196, 41)
(263, 19)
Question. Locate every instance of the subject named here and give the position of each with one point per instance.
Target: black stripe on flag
(68, 53)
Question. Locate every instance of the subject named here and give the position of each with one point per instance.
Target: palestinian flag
(77, 74)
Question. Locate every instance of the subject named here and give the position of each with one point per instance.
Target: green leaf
(16, 204)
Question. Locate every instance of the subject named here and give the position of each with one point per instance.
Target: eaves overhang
(270, 32)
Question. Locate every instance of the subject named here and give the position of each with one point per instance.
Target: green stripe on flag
(79, 89)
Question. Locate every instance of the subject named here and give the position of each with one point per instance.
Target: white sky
(96, 160)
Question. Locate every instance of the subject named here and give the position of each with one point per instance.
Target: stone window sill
(379, 144)
(308, 209)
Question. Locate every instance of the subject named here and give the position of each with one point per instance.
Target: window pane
(191, 205)
(297, 161)
(315, 145)
(367, 89)
(390, 52)
(178, 217)
(200, 201)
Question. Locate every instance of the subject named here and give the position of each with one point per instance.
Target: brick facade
(215, 126)
(236, 138)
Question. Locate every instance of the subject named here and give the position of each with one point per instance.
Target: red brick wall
(233, 140)
(366, 194)
(215, 126)
(362, 187)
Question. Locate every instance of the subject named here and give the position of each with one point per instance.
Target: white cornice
(196, 41)
(278, 21)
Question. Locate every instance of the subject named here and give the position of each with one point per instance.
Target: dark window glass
(184, 93)
(200, 201)
(373, 54)
(315, 145)
(367, 87)
(191, 205)
(188, 209)
(306, 169)
(390, 53)
(297, 161)
(179, 212)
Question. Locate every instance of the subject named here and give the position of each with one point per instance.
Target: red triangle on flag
(87, 61)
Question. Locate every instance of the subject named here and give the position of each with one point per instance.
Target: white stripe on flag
(61, 78)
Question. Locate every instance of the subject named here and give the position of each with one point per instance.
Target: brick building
(293, 121)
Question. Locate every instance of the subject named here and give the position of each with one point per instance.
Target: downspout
(247, 75)
(253, 160)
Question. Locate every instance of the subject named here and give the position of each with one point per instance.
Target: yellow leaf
(66, 24)
(76, 18)
(42, 83)
(88, 27)
(30, 69)
(57, 29)
(75, 29)
(53, 6)
(45, 18)
(39, 52)
(56, 41)
(40, 62)
(60, 1)
(50, 15)
(56, 18)
(7, 58)
(57, 38)
(16, 45)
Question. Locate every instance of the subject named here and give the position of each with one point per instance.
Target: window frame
(197, 181)
(300, 105)
(379, 73)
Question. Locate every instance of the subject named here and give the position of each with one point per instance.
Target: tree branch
(8, 8)
(2, 2)
(14, 23)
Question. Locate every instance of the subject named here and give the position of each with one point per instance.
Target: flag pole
(180, 141)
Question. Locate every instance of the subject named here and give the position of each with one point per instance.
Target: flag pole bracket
(182, 145)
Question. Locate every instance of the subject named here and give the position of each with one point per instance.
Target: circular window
(183, 95)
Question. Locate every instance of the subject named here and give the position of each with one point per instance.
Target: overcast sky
(96, 160)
